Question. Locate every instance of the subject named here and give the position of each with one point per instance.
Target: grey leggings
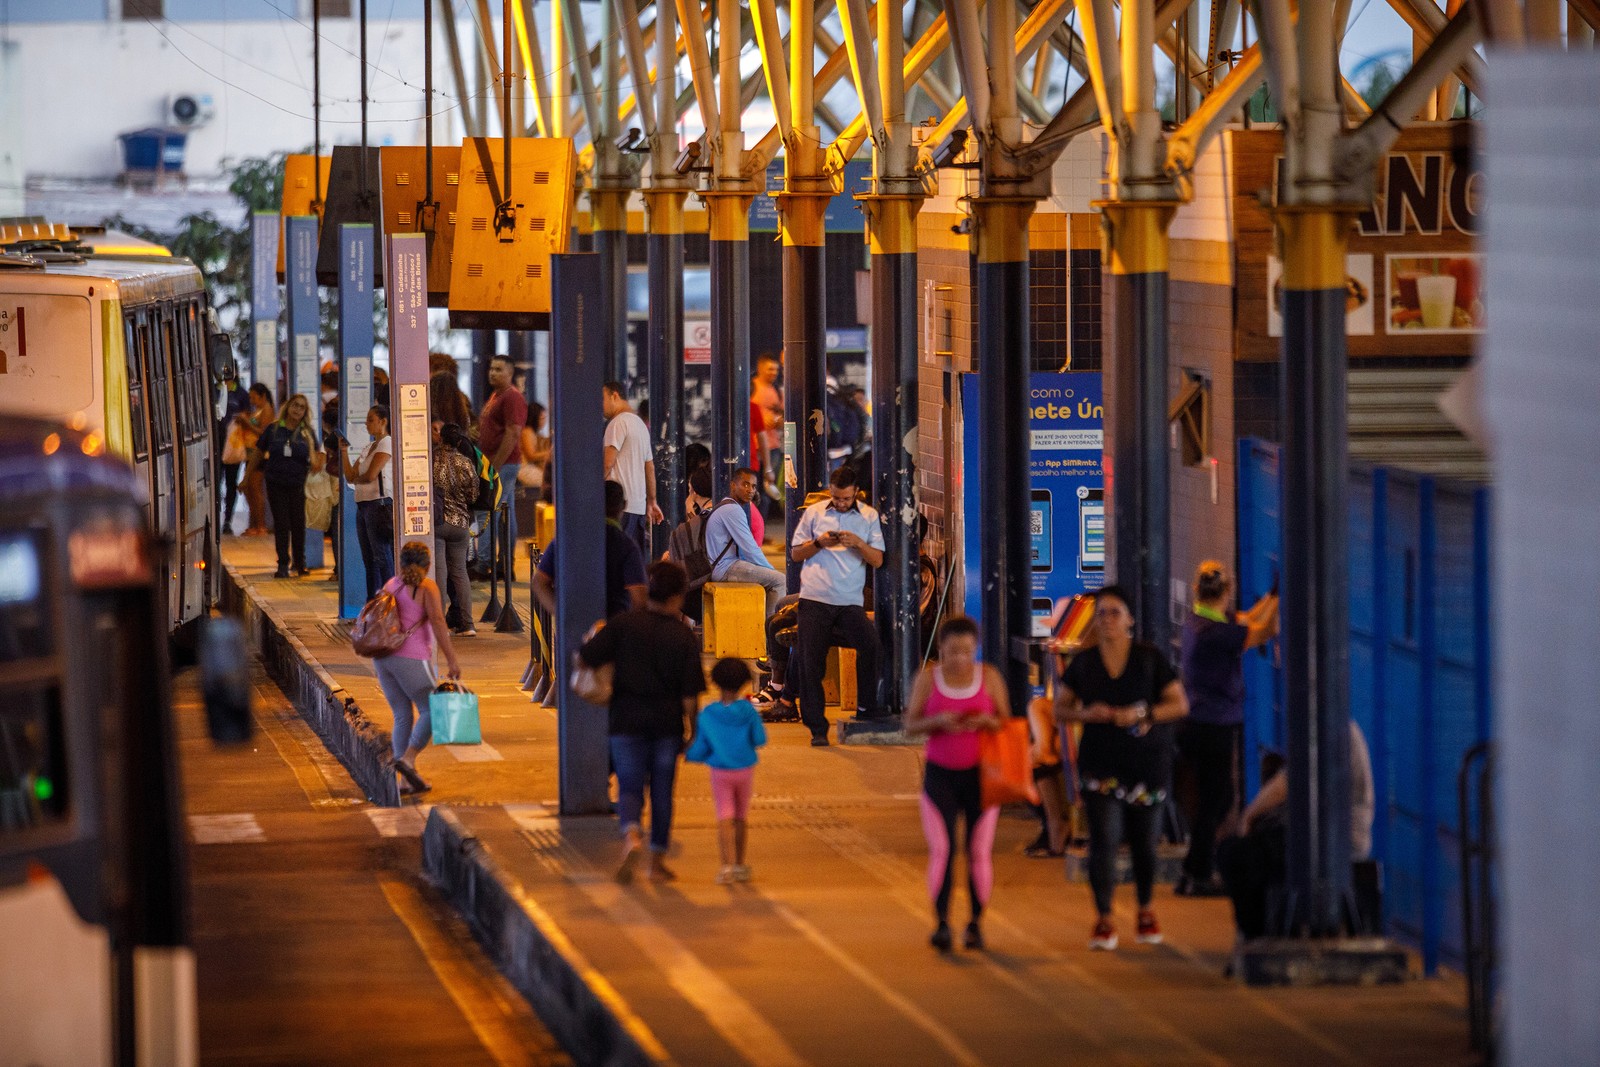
(407, 683)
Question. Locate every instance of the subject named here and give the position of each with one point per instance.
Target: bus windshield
(48, 363)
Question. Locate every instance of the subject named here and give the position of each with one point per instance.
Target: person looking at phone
(835, 541)
(373, 480)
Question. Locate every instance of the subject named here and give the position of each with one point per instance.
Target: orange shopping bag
(1005, 765)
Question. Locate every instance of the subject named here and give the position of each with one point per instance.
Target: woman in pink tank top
(953, 700)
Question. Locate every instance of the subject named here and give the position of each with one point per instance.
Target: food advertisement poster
(1358, 299)
(1435, 294)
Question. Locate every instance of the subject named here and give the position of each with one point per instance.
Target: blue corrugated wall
(1419, 669)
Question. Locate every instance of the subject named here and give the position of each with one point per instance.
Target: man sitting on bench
(744, 562)
(1253, 864)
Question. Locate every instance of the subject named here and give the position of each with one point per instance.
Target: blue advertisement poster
(1066, 505)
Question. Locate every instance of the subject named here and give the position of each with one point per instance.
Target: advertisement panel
(1066, 499)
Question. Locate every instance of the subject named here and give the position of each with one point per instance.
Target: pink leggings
(946, 796)
(730, 791)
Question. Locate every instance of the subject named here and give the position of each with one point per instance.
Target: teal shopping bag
(454, 708)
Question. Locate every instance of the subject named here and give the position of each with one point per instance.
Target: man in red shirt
(499, 436)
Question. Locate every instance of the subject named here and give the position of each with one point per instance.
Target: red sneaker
(1149, 929)
(1104, 938)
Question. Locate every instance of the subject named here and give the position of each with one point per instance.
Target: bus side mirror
(225, 681)
(219, 351)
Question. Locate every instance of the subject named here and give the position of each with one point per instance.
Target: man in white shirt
(630, 462)
(835, 541)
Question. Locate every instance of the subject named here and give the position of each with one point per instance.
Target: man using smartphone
(835, 541)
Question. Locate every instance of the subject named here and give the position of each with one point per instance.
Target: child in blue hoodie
(726, 736)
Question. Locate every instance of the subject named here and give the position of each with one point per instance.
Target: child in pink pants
(726, 735)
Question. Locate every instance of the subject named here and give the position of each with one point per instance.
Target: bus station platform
(823, 957)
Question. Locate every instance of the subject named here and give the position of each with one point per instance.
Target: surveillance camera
(947, 154)
(688, 158)
(632, 141)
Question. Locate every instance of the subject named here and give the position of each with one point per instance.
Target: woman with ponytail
(1214, 643)
(407, 675)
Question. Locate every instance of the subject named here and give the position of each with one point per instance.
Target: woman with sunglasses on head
(1126, 695)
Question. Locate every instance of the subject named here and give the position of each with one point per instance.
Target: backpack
(687, 548)
(488, 498)
(377, 631)
(844, 422)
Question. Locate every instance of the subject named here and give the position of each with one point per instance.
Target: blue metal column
(665, 360)
(355, 397)
(300, 274)
(1002, 358)
(1316, 571)
(730, 335)
(580, 370)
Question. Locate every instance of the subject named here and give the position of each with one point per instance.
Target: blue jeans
(639, 761)
(376, 537)
(637, 527)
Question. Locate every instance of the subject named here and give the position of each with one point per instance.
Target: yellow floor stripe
(945, 1038)
(492, 1014)
(294, 753)
(735, 1018)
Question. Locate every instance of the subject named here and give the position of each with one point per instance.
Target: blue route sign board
(1066, 506)
(844, 214)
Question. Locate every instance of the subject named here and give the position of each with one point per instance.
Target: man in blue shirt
(625, 573)
(835, 541)
(731, 545)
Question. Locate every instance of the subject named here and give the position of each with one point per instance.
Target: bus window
(160, 399)
(24, 612)
(136, 399)
(33, 786)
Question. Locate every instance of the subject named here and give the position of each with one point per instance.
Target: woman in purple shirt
(1212, 668)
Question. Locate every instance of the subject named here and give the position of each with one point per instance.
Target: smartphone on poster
(1091, 529)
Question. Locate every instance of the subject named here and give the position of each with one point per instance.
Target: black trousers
(825, 626)
(1253, 868)
(1209, 751)
(230, 490)
(1112, 821)
(288, 503)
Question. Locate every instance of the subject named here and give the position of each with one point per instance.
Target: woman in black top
(287, 453)
(654, 687)
(1126, 695)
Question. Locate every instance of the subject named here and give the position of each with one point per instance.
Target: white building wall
(83, 83)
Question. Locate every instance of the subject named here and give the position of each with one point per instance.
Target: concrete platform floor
(823, 957)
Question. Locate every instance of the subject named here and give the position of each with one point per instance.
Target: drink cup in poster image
(1436, 294)
(1358, 304)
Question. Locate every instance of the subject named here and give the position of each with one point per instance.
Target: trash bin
(153, 150)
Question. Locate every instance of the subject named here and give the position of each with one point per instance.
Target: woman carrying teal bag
(454, 709)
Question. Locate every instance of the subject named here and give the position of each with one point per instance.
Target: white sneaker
(727, 875)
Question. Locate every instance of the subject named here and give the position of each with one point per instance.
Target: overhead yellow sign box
(500, 266)
(300, 192)
(405, 188)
